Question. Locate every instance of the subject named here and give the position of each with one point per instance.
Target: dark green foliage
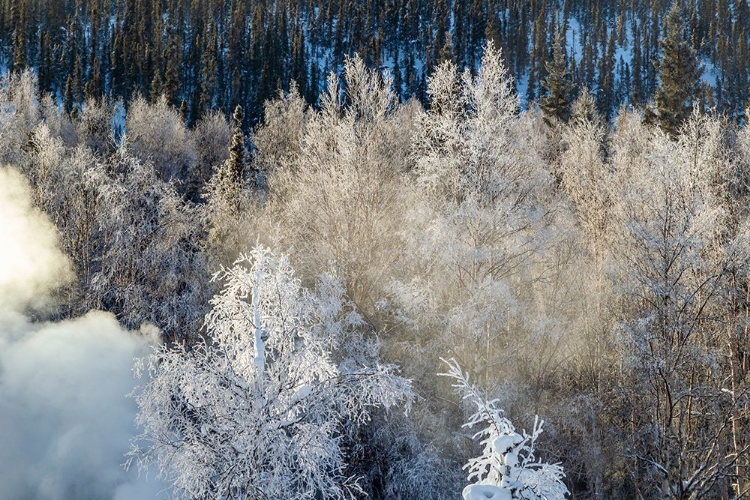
(171, 84)
(680, 73)
(237, 148)
(606, 95)
(216, 54)
(19, 37)
(558, 85)
(68, 96)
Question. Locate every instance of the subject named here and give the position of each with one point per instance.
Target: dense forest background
(579, 260)
(215, 54)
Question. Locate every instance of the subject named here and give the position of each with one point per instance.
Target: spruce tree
(45, 63)
(94, 88)
(397, 80)
(171, 84)
(19, 38)
(226, 187)
(492, 30)
(446, 53)
(156, 86)
(636, 96)
(237, 148)
(680, 73)
(235, 170)
(558, 85)
(68, 96)
(606, 91)
(183, 111)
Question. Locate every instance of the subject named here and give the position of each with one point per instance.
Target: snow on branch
(508, 468)
(259, 409)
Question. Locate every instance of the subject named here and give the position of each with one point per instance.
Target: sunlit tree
(260, 409)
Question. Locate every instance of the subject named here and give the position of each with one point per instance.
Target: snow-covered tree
(94, 126)
(166, 281)
(20, 113)
(480, 218)
(157, 133)
(585, 176)
(281, 137)
(508, 468)
(339, 191)
(679, 255)
(212, 136)
(261, 409)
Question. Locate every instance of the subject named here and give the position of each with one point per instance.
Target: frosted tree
(480, 222)
(507, 468)
(21, 113)
(260, 409)
(156, 133)
(150, 268)
(66, 185)
(94, 126)
(481, 209)
(335, 177)
(678, 256)
(464, 146)
(212, 136)
(585, 176)
(280, 139)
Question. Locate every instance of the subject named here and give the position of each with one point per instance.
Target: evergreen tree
(679, 74)
(237, 148)
(636, 96)
(220, 54)
(68, 96)
(492, 30)
(45, 63)
(606, 91)
(94, 88)
(19, 37)
(208, 79)
(446, 53)
(156, 86)
(397, 79)
(183, 111)
(170, 86)
(234, 171)
(558, 85)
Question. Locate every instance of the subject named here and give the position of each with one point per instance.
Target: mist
(65, 418)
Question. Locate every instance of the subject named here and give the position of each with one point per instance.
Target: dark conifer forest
(215, 54)
(397, 249)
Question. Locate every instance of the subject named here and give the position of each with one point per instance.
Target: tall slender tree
(680, 74)
(556, 103)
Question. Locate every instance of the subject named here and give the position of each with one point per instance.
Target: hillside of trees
(595, 276)
(205, 55)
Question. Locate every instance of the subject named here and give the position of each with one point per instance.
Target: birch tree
(677, 255)
(261, 408)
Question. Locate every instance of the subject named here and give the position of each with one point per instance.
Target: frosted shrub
(507, 468)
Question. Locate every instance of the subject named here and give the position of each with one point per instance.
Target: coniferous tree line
(209, 54)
